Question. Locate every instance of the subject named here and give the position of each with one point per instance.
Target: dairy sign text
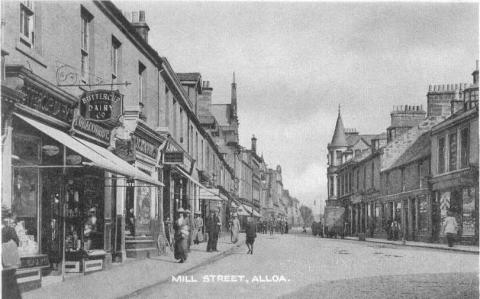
(101, 105)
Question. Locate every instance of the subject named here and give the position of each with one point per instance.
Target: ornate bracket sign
(101, 105)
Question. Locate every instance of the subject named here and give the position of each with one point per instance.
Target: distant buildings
(425, 165)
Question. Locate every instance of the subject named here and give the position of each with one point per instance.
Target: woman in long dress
(235, 228)
(181, 236)
(197, 229)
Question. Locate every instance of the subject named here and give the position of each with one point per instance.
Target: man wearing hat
(197, 228)
(213, 229)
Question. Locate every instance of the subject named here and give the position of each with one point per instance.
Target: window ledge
(31, 53)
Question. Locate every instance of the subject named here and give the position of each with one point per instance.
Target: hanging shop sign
(145, 147)
(101, 105)
(90, 128)
(173, 158)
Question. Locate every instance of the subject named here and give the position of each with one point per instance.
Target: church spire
(339, 138)
(233, 111)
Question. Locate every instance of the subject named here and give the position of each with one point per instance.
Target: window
(465, 144)
(331, 186)
(181, 125)
(373, 174)
(141, 81)
(86, 18)
(338, 186)
(364, 177)
(452, 150)
(115, 57)
(174, 118)
(403, 179)
(358, 179)
(338, 155)
(196, 147)
(441, 155)
(26, 23)
(201, 156)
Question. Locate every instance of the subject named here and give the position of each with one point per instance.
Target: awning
(208, 192)
(100, 157)
(241, 211)
(251, 211)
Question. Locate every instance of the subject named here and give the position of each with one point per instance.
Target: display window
(468, 211)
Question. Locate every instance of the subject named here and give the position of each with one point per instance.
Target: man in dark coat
(251, 232)
(213, 228)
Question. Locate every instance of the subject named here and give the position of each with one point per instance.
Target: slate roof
(419, 149)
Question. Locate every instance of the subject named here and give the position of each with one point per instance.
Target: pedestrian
(10, 256)
(304, 229)
(235, 228)
(251, 234)
(271, 224)
(197, 229)
(286, 227)
(388, 228)
(395, 229)
(181, 235)
(213, 228)
(450, 228)
(189, 224)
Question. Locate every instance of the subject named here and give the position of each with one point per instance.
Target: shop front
(60, 182)
(143, 203)
(458, 193)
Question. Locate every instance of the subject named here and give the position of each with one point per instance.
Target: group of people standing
(185, 233)
(273, 225)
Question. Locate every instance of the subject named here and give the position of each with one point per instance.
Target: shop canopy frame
(99, 156)
(209, 193)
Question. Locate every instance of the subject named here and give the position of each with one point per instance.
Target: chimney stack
(140, 25)
(254, 144)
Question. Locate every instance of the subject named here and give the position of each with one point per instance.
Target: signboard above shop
(101, 105)
(173, 158)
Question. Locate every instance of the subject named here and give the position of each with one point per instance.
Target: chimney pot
(430, 87)
(141, 16)
(134, 16)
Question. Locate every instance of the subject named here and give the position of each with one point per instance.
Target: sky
(294, 64)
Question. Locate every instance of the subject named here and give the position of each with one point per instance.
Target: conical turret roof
(339, 138)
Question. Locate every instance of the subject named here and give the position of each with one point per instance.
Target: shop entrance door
(52, 224)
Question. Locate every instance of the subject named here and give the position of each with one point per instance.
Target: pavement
(134, 276)
(459, 248)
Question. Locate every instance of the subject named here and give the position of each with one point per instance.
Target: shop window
(441, 155)
(452, 146)
(465, 144)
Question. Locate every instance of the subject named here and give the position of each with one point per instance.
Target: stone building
(107, 127)
(454, 168)
(427, 166)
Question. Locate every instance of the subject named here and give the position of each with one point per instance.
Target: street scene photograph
(239, 149)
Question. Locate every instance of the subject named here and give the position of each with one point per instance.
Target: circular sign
(50, 150)
(74, 159)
